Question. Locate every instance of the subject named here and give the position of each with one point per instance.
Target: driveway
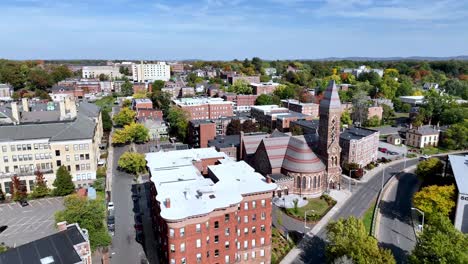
(29, 223)
(401, 150)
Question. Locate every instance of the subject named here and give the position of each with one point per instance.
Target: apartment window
(254, 217)
(75, 147)
(226, 245)
(246, 206)
(207, 224)
(198, 257)
(81, 146)
(262, 228)
(253, 243)
(171, 232)
(226, 231)
(207, 240)
(246, 256)
(69, 168)
(253, 254)
(14, 158)
(87, 156)
(78, 177)
(262, 253)
(262, 241)
(246, 218)
(13, 148)
(254, 204)
(173, 261)
(263, 203)
(254, 230)
(246, 244)
(182, 247)
(29, 147)
(4, 148)
(198, 228)
(57, 153)
(263, 215)
(83, 166)
(182, 232)
(216, 239)
(67, 148)
(5, 158)
(226, 259)
(246, 230)
(7, 169)
(68, 157)
(20, 157)
(216, 253)
(172, 248)
(226, 217)
(88, 166)
(198, 243)
(86, 146)
(59, 163)
(216, 224)
(77, 157)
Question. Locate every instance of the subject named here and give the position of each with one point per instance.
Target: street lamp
(350, 178)
(421, 212)
(305, 219)
(383, 176)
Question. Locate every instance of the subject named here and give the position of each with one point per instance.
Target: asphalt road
(395, 228)
(313, 248)
(125, 250)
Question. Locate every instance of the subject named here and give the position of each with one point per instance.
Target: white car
(110, 206)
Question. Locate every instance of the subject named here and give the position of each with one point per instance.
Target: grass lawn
(319, 205)
(399, 115)
(367, 217)
(280, 246)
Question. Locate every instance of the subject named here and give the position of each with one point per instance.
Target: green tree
(435, 199)
(39, 78)
(373, 78)
(3, 248)
(348, 237)
(60, 73)
(249, 126)
(124, 117)
(63, 182)
(161, 100)
(456, 136)
(158, 85)
(456, 88)
(178, 120)
(405, 87)
(106, 121)
(267, 99)
(346, 118)
(285, 92)
(388, 114)
(103, 77)
(90, 215)
(127, 88)
(429, 168)
(389, 87)
(373, 121)
(441, 243)
(133, 132)
(234, 127)
(241, 87)
(132, 162)
(99, 184)
(296, 130)
(454, 115)
(126, 103)
(40, 188)
(435, 103)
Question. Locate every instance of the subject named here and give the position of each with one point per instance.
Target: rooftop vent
(47, 260)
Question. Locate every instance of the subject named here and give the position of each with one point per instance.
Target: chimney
(62, 110)
(168, 202)
(62, 226)
(25, 104)
(15, 112)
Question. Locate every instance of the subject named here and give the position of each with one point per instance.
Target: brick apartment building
(142, 103)
(265, 114)
(242, 102)
(303, 108)
(200, 132)
(205, 108)
(263, 88)
(141, 87)
(359, 145)
(284, 120)
(209, 208)
(152, 114)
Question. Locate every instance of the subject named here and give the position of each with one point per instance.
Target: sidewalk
(340, 197)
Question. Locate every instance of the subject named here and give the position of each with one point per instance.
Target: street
(395, 230)
(313, 248)
(125, 250)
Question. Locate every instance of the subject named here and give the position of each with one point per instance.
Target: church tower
(329, 134)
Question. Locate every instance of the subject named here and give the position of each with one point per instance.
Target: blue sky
(223, 29)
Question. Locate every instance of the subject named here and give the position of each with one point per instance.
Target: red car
(383, 150)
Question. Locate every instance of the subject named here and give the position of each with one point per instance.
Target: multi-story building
(242, 102)
(5, 91)
(263, 88)
(141, 87)
(375, 111)
(45, 137)
(151, 72)
(142, 103)
(359, 145)
(69, 245)
(303, 108)
(200, 132)
(149, 113)
(95, 71)
(265, 114)
(205, 108)
(227, 144)
(209, 213)
(421, 137)
(284, 120)
(459, 167)
(363, 69)
(177, 67)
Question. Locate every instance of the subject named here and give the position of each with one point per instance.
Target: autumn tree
(249, 126)
(19, 191)
(132, 162)
(440, 242)
(348, 237)
(234, 127)
(63, 182)
(2, 195)
(435, 199)
(40, 188)
(429, 168)
(133, 132)
(124, 117)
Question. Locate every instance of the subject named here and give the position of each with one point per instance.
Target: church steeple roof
(331, 99)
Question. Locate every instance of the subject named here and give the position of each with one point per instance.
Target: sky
(230, 29)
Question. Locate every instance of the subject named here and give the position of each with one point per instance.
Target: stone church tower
(329, 134)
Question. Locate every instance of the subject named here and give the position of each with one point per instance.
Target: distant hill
(413, 58)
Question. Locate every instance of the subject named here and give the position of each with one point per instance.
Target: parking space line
(49, 201)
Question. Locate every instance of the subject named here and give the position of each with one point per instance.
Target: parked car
(392, 152)
(383, 150)
(425, 157)
(110, 206)
(23, 203)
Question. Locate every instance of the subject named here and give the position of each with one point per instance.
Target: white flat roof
(460, 171)
(200, 101)
(191, 194)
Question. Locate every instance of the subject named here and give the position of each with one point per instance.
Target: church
(307, 164)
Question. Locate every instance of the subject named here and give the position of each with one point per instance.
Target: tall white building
(94, 72)
(151, 72)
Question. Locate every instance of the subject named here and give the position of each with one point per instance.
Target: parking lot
(401, 150)
(25, 224)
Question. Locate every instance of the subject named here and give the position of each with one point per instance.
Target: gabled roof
(331, 99)
(299, 157)
(276, 149)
